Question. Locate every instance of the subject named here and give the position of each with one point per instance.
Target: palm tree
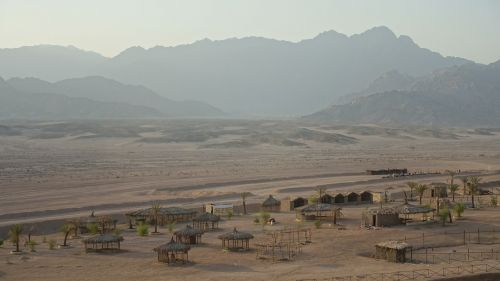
(413, 186)
(15, 235)
(453, 189)
(465, 181)
(244, 196)
(66, 230)
(473, 187)
(421, 188)
(155, 211)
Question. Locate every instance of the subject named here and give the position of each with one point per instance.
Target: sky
(463, 28)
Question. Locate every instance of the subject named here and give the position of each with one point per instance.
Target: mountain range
(90, 97)
(247, 76)
(467, 95)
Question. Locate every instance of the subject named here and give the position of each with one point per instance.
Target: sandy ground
(56, 178)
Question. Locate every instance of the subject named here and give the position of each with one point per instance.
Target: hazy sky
(465, 28)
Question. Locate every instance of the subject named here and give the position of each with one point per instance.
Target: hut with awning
(173, 252)
(411, 212)
(188, 235)
(381, 217)
(206, 222)
(271, 204)
(290, 204)
(165, 215)
(235, 240)
(393, 251)
(102, 242)
(319, 211)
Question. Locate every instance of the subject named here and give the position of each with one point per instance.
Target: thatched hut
(102, 242)
(393, 251)
(352, 197)
(366, 197)
(236, 240)
(206, 222)
(339, 198)
(173, 252)
(188, 235)
(271, 204)
(381, 217)
(165, 215)
(319, 212)
(289, 204)
(327, 199)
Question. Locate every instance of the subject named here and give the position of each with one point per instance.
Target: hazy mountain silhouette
(106, 90)
(248, 75)
(15, 104)
(467, 95)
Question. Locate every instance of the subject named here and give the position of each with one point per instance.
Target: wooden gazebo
(173, 252)
(236, 240)
(188, 235)
(271, 204)
(206, 222)
(165, 215)
(102, 242)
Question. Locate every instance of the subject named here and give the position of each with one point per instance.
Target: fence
(447, 239)
(428, 256)
(418, 274)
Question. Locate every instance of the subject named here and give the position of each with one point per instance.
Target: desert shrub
(256, 220)
(459, 209)
(142, 229)
(317, 224)
(171, 226)
(52, 244)
(264, 217)
(494, 201)
(93, 228)
(32, 244)
(443, 215)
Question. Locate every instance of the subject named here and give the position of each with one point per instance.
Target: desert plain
(52, 171)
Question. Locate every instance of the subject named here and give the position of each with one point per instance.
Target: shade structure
(164, 215)
(236, 240)
(188, 235)
(173, 252)
(103, 242)
(206, 222)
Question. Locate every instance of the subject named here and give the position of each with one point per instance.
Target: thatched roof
(207, 217)
(103, 238)
(235, 235)
(319, 208)
(188, 231)
(271, 201)
(408, 209)
(397, 245)
(382, 211)
(172, 246)
(168, 211)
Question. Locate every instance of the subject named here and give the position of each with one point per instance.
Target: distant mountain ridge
(90, 97)
(468, 95)
(252, 76)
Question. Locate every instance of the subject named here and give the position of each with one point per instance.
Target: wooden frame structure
(102, 242)
(188, 235)
(278, 251)
(236, 240)
(173, 252)
(206, 222)
(165, 215)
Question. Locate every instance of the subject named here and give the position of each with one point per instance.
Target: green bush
(443, 215)
(171, 226)
(256, 220)
(229, 214)
(264, 217)
(459, 209)
(317, 224)
(52, 244)
(93, 228)
(142, 229)
(31, 245)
